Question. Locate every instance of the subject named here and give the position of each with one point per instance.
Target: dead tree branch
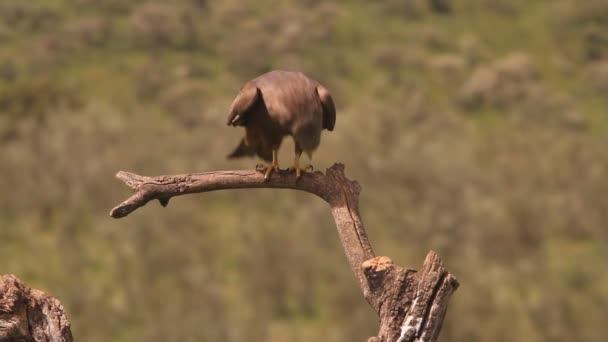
(411, 304)
(30, 315)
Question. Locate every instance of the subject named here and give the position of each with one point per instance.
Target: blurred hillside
(477, 128)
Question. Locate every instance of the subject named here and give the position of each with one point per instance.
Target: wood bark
(30, 315)
(411, 304)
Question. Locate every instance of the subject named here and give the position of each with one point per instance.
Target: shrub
(92, 31)
(598, 75)
(112, 6)
(585, 22)
(502, 82)
(36, 98)
(449, 65)
(157, 25)
(185, 102)
(28, 16)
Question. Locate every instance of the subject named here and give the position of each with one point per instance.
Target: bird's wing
(244, 101)
(329, 109)
(242, 150)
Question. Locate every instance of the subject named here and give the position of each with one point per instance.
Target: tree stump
(30, 315)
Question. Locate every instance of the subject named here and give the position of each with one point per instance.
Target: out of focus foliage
(478, 128)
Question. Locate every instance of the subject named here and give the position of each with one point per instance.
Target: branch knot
(375, 271)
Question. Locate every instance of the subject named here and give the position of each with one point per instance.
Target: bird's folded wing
(329, 109)
(243, 103)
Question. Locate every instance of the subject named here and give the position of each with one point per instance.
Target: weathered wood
(30, 315)
(411, 305)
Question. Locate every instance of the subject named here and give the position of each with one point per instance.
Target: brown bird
(277, 104)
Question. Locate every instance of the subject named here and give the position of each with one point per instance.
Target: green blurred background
(477, 128)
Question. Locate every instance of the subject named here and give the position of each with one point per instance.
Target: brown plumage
(277, 104)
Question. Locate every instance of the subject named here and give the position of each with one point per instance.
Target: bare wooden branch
(411, 304)
(30, 315)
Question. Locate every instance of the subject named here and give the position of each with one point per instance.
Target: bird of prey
(277, 104)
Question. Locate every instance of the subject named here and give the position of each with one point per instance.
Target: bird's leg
(273, 166)
(296, 162)
(309, 167)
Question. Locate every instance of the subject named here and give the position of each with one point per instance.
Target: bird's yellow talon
(261, 167)
(274, 166)
(299, 170)
(296, 165)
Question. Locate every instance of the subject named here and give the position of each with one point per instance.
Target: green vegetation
(478, 128)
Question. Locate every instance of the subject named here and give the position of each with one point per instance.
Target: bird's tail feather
(242, 150)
